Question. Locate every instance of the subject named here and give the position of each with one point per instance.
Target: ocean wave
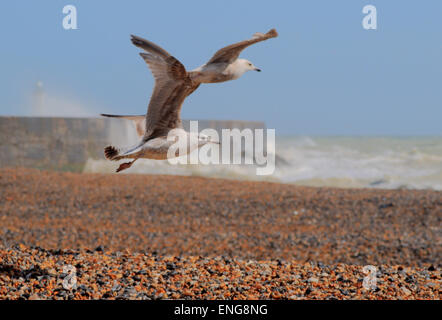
(356, 162)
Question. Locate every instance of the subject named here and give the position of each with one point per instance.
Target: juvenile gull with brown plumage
(172, 85)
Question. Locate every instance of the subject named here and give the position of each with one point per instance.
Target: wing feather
(139, 121)
(231, 53)
(172, 86)
(149, 46)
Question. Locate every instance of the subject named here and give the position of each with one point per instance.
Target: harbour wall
(65, 144)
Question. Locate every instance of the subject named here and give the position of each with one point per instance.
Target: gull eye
(250, 64)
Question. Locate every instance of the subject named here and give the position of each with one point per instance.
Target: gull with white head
(172, 85)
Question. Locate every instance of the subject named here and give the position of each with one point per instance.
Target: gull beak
(256, 69)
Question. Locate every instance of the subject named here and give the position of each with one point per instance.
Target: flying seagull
(172, 85)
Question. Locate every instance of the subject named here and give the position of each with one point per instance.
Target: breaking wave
(356, 162)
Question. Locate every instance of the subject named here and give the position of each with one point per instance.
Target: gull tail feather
(111, 153)
(114, 154)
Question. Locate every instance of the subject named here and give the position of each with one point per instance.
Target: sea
(324, 161)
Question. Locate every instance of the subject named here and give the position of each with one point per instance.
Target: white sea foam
(360, 162)
(381, 162)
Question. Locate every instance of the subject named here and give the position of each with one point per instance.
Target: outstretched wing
(231, 53)
(172, 85)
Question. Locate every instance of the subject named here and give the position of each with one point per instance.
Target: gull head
(246, 65)
(204, 139)
(239, 67)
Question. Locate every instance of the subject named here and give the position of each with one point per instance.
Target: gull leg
(125, 165)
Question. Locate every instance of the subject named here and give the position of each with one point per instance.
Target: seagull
(172, 85)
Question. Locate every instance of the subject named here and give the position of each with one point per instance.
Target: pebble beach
(134, 236)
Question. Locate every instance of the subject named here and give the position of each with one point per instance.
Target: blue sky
(324, 74)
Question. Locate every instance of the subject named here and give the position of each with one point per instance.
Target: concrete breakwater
(65, 144)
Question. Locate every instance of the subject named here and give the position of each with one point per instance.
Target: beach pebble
(168, 237)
